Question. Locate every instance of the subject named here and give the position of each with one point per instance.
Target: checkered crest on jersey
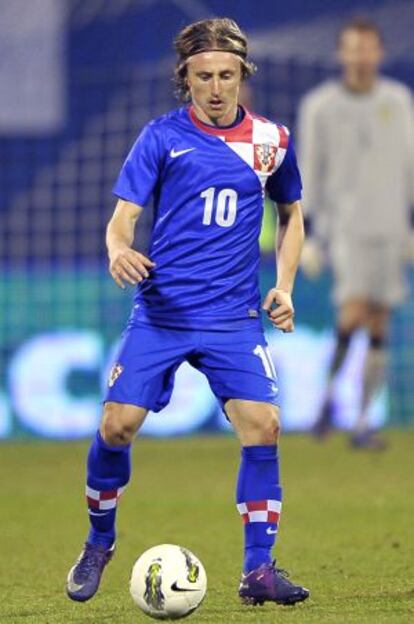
(261, 143)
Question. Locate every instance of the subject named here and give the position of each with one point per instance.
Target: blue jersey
(207, 185)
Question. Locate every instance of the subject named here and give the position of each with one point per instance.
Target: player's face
(360, 54)
(213, 79)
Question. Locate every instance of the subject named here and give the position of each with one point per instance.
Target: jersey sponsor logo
(116, 370)
(264, 157)
(174, 153)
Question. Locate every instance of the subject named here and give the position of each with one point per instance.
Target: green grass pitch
(347, 529)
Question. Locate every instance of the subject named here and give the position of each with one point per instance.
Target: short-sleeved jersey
(207, 185)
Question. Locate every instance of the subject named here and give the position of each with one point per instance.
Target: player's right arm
(134, 187)
(125, 264)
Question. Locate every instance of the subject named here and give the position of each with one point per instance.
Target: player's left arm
(289, 242)
(284, 188)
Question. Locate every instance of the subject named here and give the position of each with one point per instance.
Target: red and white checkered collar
(260, 143)
(242, 132)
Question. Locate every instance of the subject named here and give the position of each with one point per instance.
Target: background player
(206, 165)
(357, 160)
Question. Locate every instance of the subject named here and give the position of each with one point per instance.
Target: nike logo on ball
(271, 531)
(174, 154)
(174, 587)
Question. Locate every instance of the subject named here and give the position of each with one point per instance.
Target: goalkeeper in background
(356, 149)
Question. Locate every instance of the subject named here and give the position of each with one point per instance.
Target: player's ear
(186, 77)
(243, 72)
(187, 83)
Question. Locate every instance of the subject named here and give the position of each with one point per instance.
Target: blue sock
(259, 498)
(109, 469)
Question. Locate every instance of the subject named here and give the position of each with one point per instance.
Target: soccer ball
(168, 582)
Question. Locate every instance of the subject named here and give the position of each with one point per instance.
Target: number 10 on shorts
(264, 354)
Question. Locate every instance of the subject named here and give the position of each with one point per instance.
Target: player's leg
(352, 315)
(108, 472)
(141, 380)
(387, 289)
(259, 501)
(373, 375)
(259, 494)
(242, 375)
(109, 468)
(351, 262)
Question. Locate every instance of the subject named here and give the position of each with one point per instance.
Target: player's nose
(215, 87)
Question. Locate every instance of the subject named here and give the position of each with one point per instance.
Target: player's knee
(115, 434)
(270, 426)
(378, 327)
(377, 341)
(115, 429)
(352, 316)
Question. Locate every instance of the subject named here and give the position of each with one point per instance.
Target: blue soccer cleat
(368, 440)
(84, 578)
(324, 424)
(270, 584)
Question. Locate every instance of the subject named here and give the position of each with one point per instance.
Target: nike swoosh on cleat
(271, 531)
(174, 154)
(174, 587)
(71, 585)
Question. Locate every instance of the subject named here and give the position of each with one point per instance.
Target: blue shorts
(237, 365)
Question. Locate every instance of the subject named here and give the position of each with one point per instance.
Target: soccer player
(207, 166)
(357, 161)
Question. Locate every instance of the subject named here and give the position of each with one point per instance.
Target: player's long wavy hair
(221, 34)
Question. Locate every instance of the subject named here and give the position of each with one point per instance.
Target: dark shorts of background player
(237, 365)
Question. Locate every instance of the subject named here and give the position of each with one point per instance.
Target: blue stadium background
(60, 314)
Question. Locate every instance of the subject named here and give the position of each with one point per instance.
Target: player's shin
(108, 472)
(343, 341)
(373, 378)
(259, 500)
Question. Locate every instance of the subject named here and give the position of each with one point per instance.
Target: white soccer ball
(168, 581)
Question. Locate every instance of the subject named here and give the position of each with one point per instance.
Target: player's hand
(311, 260)
(279, 308)
(128, 265)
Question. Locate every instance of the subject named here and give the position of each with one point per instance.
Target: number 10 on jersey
(221, 207)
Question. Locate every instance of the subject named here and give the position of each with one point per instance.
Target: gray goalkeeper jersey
(357, 160)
